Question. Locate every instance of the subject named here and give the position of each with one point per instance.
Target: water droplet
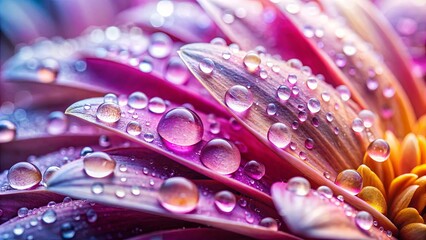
(176, 71)
(86, 150)
(161, 45)
(215, 127)
(22, 212)
(138, 100)
(312, 83)
(263, 74)
(178, 195)
(49, 216)
(225, 201)
(97, 188)
(218, 41)
(104, 141)
(340, 60)
(23, 175)
(157, 105)
(314, 105)
(378, 150)
(67, 231)
(350, 180)
(279, 135)
(120, 192)
(18, 230)
(308, 31)
(284, 93)
(364, 220)
(148, 137)
(145, 66)
(329, 116)
(135, 190)
(269, 223)
(325, 96)
(226, 55)
(181, 126)
(91, 216)
(271, 109)
(254, 169)
(295, 90)
(134, 128)
(206, 66)
(110, 98)
(309, 143)
(108, 112)
(349, 49)
(325, 191)
(49, 173)
(57, 123)
(367, 117)
(7, 131)
(98, 165)
(238, 98)
(251, 61)
(299, 186)
(372, 84)
(358, 125)
(220, 156)
(292, 79)
(345, 93)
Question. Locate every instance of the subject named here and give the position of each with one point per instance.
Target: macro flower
(208, 119)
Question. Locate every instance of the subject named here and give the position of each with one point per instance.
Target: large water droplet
(221, 156)
(238, 98)
(251, 61)
(57, 123)
(176, 71)
(23, 175)
(161, 45)
(7, 131)
(378, 150)
(314, 105)
(269, 223)
(108, 112)
(98, 164)
(157, 105)
(181, 126)
(299, 186)
(67, 231)
(134, 128)
(350, 180)
(49, 216)
(364, 220)
(138, 100)
(254, 169)
(178, 195)
(225, 201)
(284, 93)
(279, 135)
(206, 66)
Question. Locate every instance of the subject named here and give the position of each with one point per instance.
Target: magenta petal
(191, 234)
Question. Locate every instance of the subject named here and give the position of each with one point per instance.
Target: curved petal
(191, 234)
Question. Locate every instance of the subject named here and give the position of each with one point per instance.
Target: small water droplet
(314, 105)
(251, 61)
(220, 156)
(372, 84)
(271, 109)
(340, 60)
(22, 212)
(49, 216)
(138, 100)
(135, 190)
(7, 131)
(178, 195)
(269, 223)
(176, 71)
(134, 128)
(104, 141)
(218, 41)
(350, 180)
(86, 150)
(367, 117)
(145, 66)
(24, 175)
(148, 137)
(91, 216)
(312, 83)
(87, 106)
(120, 192)
(226, 55)
(97, 188)
(284, 93)
(98, 165)
(345, 93)
(292, 79)
(225, 201)
(161, 45)
(378, 150)
(254, 169)
(157, 105)
(18, 230)
(49, 173)
(181, 126)
(358, 125)
(57, 123)
(325, 191)
(309, 143)
(364, 220)
(279, 135)
(110, 98)
(108, 112)
(349, 49)
(238, 98)
(299, 186)
(206, 66)
(67, 231)
(325, 96)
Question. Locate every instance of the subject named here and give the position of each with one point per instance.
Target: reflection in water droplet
(364, 220)
(133, 128)
(120, 192)
(181, 126)
(178, 195)
(269, 223)
(23, 175)
(254, 169)
(350, 180)
(161, 45)
(7, 131)
(49, 216)
(108, 112)
(220, 156)
(157, 105)
(251, 61)
(378, 150)
(279, 135)
(138, 100)
(238, 98)
(206, 66)
(98, 165)
(225, 201)
(176, 71)
(299, 186)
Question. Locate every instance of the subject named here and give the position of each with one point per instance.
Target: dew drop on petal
(349, 49)
(157, 105)
(7, 131)
(120, 193)
(314, 105)
(269, 223)
(378, 150)
(108, 112)
(138, 100)
(97, 188)
(181, 126)
(57, 123)
(350, 180)
(161, 45)
(176, 72)
(325, 191)
(22, 212)
(292, 79)
(225, 201)
(110, 98)
(284, 93)
(251, 61)
(178, 194)
(220, 156)
(279, 135)
(364, 220)
(23, 175)
(367, 117)
(67, 231)
(134, 128)
(218, 41)
(48, 173)
(263, 74)
(271, 109)
(299, 186)
(206, 65)
(98, 165)
(49, 216)
(309, 143)
(312, 83)
(238, 98)
(325, 96)
(148, 137)
(91, 216)
(18, 230)
(344, 92)
(358, 125)
(254, 169)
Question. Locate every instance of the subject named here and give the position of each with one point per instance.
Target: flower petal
(369, 178)
(407, 216)
(414, 231)
(400, 183)
(402, 200)
(374, 197)
(191, 234)
(410, 154)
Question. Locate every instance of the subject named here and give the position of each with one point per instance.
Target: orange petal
(422, 145)
(413, 231)
(407, 216)
(400, 183)
(402, 200)
(419, 170)
(369, 178)
(410, 154)
(420, 126)
(383, 170)
(374, 197)
(419, 198)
